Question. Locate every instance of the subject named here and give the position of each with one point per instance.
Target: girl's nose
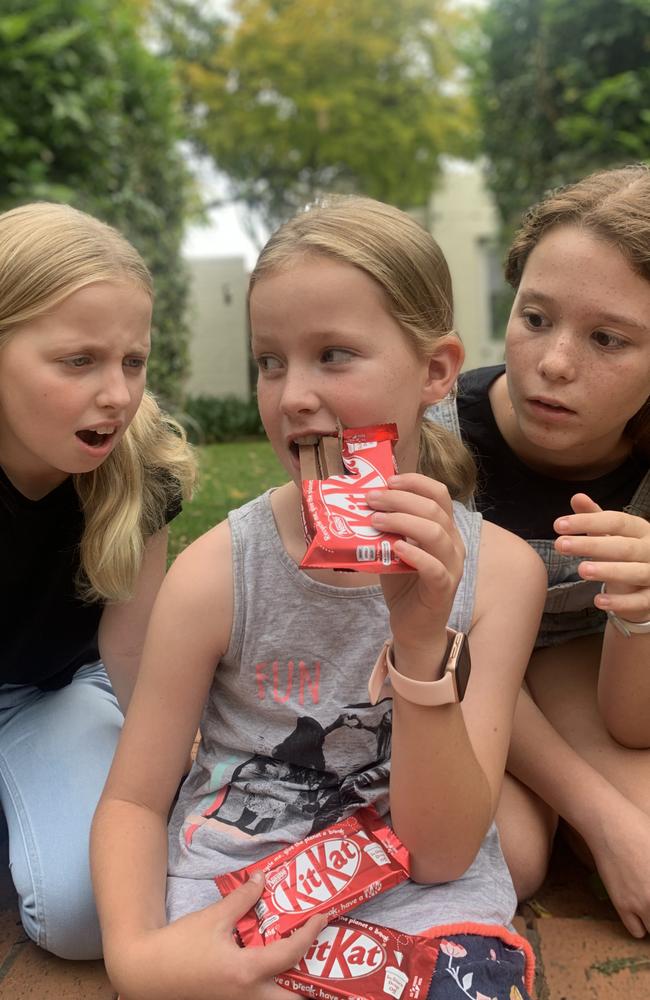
(558, 361)
(114, 392)
(298, 395)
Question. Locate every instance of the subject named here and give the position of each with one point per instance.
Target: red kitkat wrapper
(331, 872)
(335, 514)
(354, 960)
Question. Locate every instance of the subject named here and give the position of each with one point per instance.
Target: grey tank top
(569, 611)
(290, 742)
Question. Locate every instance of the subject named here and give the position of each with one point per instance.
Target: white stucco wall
(463, 219)
(217, 320)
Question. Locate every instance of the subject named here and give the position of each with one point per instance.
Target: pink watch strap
(428, 693)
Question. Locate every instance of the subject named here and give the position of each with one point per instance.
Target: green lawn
(230, 474)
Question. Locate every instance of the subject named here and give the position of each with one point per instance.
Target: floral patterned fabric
(479, 966)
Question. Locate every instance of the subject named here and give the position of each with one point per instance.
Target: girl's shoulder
(197, 592)
(509, 570)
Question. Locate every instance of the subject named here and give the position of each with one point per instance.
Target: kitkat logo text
(316, 875)
(342, 953)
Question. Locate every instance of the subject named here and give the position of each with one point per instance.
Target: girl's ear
(444, 367)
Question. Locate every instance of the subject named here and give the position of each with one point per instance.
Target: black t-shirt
(47, 632)
(511, 494)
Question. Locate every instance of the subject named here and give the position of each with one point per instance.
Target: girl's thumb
(240, 900)
(583, 504)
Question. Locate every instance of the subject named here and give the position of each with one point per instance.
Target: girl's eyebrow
(606, 317)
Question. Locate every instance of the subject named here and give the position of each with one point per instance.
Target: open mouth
(306, 439)
(551, 407)
(95, 439)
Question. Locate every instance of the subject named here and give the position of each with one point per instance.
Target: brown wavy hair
(615, 206)
(47, 252)
(405, 260)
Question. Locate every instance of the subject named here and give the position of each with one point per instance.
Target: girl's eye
(137, 364)
(607, 340)
(335, 355)
(267, 363)
(534, 319)
(79, 362)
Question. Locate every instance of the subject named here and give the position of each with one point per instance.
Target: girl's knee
(60, 917)
(527, 828)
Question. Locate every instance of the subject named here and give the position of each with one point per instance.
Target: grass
(230, 474)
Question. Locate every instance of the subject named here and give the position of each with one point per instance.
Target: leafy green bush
(90, 115)
(210, 419)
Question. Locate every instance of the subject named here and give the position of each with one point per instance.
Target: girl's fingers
(419, 485)
(634, 924)
(275, 958)
(239, 901)
(619, 547)
(630, 574)
(393, 501)
(433, 572)
(635, 606)
(602, 522)
(431, 537)
(583, 504)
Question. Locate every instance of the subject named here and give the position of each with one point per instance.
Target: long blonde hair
(48, 252)
(614, 205)
(404, 259)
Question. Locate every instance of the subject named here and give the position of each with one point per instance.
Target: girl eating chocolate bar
(307, 712)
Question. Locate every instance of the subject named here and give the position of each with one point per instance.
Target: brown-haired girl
(562, 438)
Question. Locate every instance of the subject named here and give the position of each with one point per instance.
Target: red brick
(592, 960)
(36, 975)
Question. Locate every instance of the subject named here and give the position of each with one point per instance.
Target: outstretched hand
(420, 509)
(621, 851)
(616, 550)
(197, 958)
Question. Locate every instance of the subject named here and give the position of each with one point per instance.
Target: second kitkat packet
(335, 513)
(352, 959)
(330, 872)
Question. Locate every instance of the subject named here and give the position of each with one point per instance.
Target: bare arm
(624, 687)
(122, 627)
(616, 550)
(194, 957)
(451, 754)
(615, 830)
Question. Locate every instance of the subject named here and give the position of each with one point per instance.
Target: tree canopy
(292, 97)
(562, 89)
(88, 116)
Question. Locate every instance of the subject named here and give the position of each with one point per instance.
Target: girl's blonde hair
(407, 263)
(614, 205)
(48, 252)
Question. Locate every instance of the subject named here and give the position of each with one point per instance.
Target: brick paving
(583, 951)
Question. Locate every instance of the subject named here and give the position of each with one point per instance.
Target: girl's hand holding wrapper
(332, 872)
(336, 476)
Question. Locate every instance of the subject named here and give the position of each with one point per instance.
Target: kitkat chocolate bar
(335, 477)
(330, 872)
(354, 960)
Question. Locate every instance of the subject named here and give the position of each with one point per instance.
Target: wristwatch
(448, 689)
(624, 626)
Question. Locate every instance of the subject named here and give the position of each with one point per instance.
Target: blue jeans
(56, 748)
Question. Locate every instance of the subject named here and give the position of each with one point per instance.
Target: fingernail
(257, 877)
(562, 524)
(564, 544)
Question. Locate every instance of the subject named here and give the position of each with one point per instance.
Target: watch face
(460, 663)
